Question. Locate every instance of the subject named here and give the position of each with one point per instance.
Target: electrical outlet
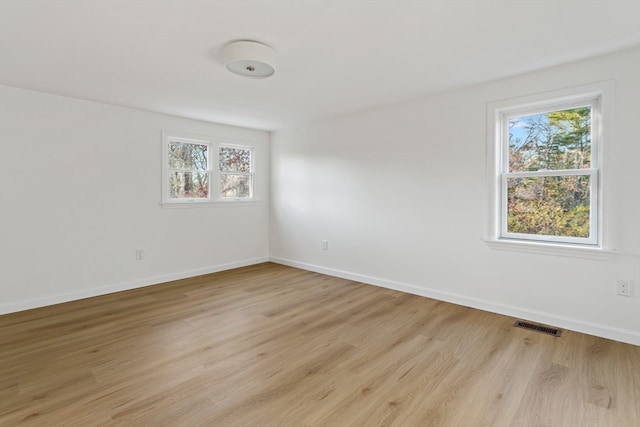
(139, 254)
(624, 288)
(325, 245)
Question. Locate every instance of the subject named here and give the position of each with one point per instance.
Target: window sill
(212, 204)
(554, 249)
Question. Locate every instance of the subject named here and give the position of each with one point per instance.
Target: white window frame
(168, 138)
(599, 98)
(250, 174)
(213, 170)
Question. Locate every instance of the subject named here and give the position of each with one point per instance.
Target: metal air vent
(549, 330)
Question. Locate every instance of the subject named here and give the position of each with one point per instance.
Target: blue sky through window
(518, 127)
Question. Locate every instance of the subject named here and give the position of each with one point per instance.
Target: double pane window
(189, 174)
(548, 177)
(189, 170)
(236, 172)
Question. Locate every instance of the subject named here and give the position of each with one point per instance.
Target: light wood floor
(270, 345)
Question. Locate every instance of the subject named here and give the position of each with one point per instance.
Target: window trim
(600, 97)
(215, 199)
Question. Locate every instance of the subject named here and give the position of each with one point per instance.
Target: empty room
(288, 213)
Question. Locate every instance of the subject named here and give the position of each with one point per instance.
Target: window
(190, 177)
(189, 169)
(236, 172)
(546, 185)
(549, 181)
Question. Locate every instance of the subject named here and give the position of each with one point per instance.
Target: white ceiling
(333, 57)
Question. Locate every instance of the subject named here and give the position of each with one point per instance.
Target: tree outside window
(188, 170)
(547, 171)
(551, 204)
(236, 172)
(190, 175)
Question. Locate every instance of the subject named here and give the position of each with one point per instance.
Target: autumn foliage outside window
(548, 178)
(188, 170)
(198, 170)
(236, 172)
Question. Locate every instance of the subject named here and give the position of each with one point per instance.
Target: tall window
(189, 169)
(547, 171)
(188, 174)
(236, 172)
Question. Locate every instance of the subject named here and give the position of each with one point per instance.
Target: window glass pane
(551, 206)
(551, 141)
(235, 159)
(188, 156)
(235, 185)
(188, 185)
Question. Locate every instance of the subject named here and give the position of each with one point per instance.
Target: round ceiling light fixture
(250, 59)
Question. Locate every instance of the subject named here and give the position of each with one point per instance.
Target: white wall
(80, 192)
(400, 193)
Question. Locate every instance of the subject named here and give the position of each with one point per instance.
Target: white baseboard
(124, 286)
(617, 334)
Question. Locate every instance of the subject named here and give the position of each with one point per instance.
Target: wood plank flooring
(270, 345)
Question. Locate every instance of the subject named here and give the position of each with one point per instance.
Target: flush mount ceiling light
(250, 59)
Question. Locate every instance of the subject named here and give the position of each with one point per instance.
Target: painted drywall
(80, 190)
(400, 194)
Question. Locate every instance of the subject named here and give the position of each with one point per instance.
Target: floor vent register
(549, 330)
